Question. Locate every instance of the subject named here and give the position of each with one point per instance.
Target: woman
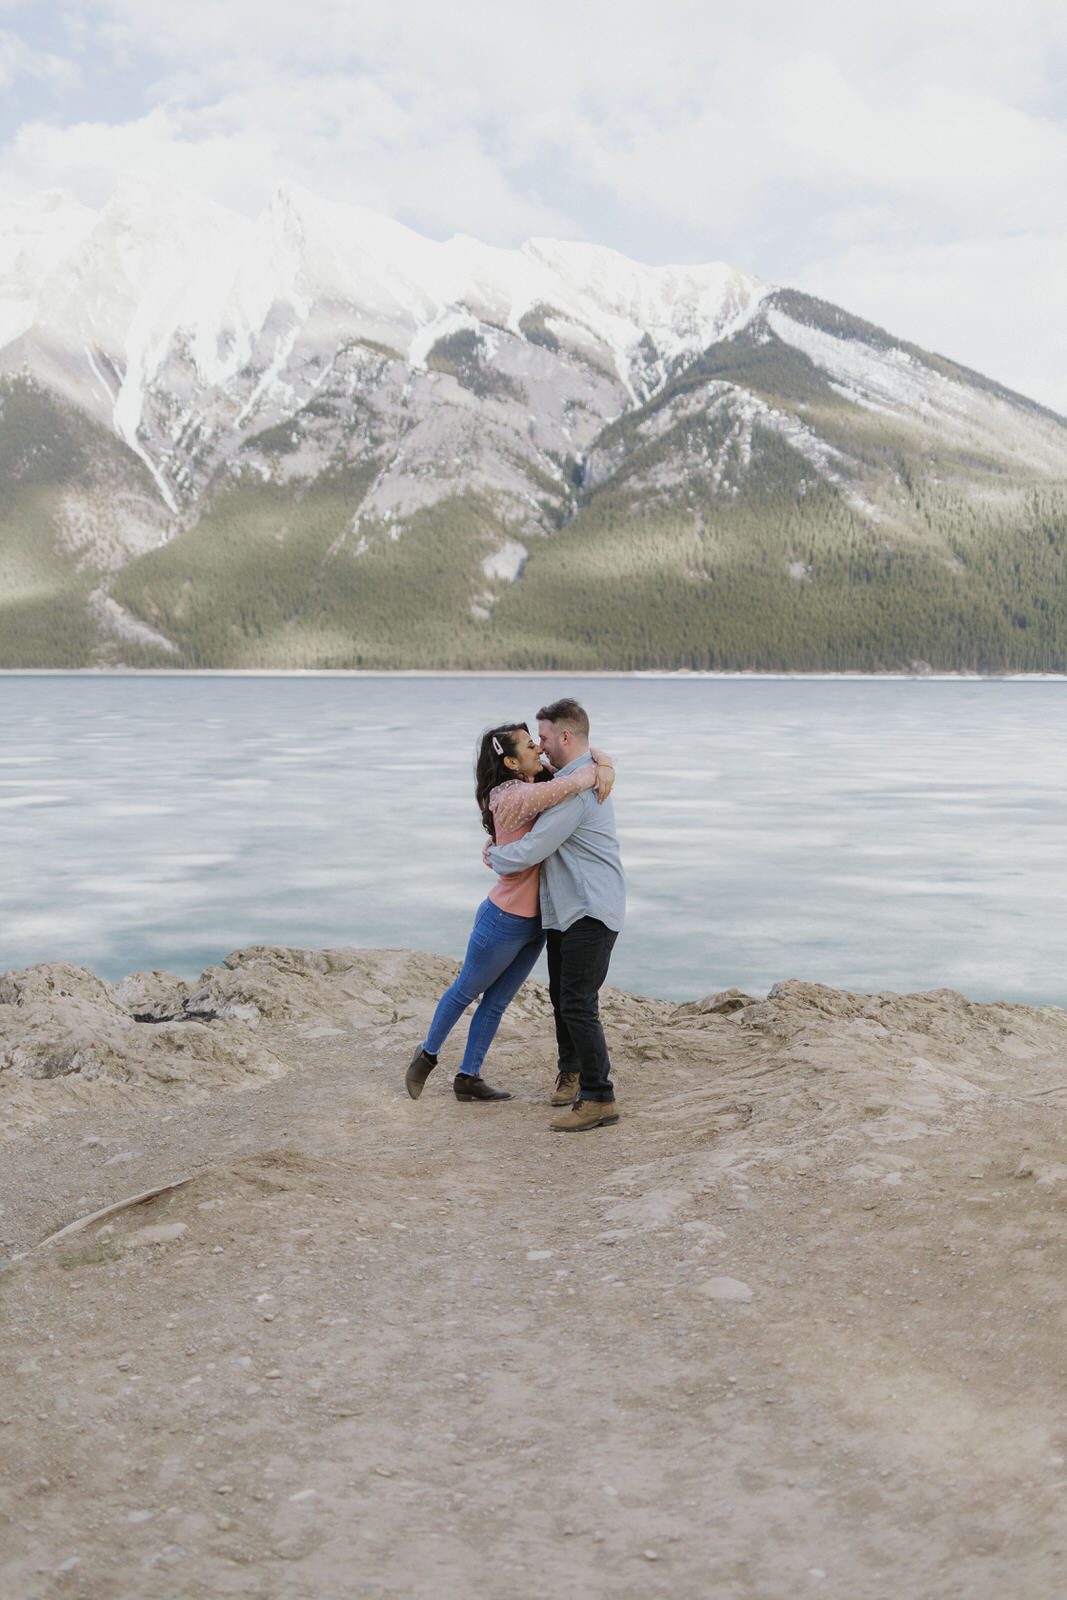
(512, 788)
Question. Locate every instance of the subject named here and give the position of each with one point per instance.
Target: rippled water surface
(868, 834)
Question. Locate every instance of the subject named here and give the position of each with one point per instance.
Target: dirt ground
(796, 1325)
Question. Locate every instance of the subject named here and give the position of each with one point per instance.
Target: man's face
(552, 743)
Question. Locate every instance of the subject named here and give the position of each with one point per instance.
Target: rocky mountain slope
(317, 439)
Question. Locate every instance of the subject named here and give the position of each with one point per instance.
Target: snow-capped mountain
(167, 315)
(323, 395)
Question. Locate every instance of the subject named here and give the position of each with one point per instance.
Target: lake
(871, 834)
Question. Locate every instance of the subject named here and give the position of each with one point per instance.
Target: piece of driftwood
(110, 1211)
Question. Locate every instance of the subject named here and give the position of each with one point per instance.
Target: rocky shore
(794, 1325)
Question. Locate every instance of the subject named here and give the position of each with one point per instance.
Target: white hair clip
(497, 746)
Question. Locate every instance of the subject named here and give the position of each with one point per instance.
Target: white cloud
(19, 60)
(89, 158)
(826, 144)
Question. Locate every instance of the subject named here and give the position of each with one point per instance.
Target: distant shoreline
(680, 674)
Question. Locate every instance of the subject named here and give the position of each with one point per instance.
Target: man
(583, 901)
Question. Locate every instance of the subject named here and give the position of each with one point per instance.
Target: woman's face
(526, 761)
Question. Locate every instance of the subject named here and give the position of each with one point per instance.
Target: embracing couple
(545, 806)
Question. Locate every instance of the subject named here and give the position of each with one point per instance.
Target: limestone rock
(57, 980)
(153, 996)
(272, 983)
(721, 1004)
(725, 1289)
(60, 1021)
(156, 1233)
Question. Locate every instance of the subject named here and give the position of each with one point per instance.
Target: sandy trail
(430, 1349)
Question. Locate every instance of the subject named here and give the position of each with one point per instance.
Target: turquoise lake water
(869, 834)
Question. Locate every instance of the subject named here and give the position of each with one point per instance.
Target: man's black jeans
(577, 966)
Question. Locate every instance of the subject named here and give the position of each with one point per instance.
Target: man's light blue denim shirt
(581, 873)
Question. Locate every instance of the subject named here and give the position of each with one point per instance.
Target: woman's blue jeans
(500, 957)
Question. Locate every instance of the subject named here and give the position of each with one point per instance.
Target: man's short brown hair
(569, 713)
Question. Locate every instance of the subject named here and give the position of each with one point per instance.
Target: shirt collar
(584, 760)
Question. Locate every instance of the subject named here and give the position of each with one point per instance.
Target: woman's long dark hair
(489, 768)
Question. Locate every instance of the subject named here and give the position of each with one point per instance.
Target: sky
(908, 162)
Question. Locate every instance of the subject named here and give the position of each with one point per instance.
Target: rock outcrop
(805, 1057)
(61, 1023)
